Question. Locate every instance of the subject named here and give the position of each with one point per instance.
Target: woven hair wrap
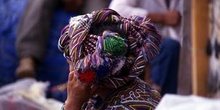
(109, 58)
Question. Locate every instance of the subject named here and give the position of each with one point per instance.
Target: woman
(106, 54)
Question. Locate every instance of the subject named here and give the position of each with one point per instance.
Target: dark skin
(170, 18)
(79, 92)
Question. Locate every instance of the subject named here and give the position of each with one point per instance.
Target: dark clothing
(135, 95)
(167, 3)
(164, 68)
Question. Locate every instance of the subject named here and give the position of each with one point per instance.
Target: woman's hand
(170, 18)
(77, 93)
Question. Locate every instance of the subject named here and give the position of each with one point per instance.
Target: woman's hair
(105, 47)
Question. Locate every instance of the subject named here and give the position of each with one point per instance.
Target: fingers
(70, 81)
(71, 76)
(77, 91)
(73, 81)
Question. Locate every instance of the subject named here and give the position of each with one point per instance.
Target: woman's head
(108, 49)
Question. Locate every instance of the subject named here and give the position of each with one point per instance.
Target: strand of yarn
(115, 46)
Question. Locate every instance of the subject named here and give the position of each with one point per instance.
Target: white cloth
(142, 7)
(177, 102)
(27, 94)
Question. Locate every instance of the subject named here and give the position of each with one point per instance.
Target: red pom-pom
(88, 76)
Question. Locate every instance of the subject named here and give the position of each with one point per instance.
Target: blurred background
(187, 65)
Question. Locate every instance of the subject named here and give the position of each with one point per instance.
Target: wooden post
(199, 42)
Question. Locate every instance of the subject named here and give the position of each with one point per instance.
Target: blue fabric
(54, 67)
(164, 68)
(10, 14)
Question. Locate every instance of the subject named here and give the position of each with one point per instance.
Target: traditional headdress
(115, 56)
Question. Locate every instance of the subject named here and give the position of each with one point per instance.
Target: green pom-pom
(115, 46)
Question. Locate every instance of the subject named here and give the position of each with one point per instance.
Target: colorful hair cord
(109, 55)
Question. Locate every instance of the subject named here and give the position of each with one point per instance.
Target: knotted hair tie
(107, 48)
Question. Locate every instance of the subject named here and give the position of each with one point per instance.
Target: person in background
(167, 15)
(106, 54)
(37, 38)
(36, 42)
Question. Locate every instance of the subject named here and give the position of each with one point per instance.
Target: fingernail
(71, 72)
